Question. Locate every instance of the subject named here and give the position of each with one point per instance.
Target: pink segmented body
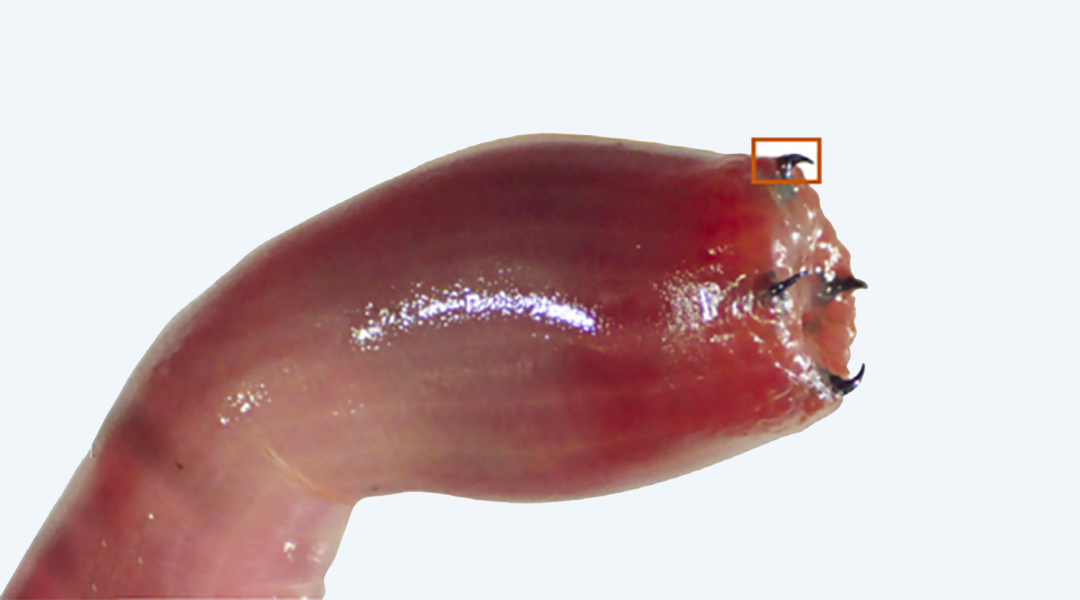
(539, 318)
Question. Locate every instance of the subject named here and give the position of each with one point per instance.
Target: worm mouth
(823, 299)
(833, 293)
(827, 322)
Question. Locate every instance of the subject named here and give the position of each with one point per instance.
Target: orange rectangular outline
(753, 160)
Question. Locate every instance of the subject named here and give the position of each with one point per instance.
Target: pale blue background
(144, 150)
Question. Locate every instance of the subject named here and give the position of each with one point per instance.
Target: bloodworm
(534, 319)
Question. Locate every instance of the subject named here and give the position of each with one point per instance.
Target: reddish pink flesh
(541, 318)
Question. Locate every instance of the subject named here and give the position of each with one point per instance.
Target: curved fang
(836, 288)
(786, 163)
(781, 287)
(846, 386)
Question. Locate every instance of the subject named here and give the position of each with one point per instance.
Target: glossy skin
(540, 318)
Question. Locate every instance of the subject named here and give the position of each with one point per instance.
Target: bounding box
(753, 160)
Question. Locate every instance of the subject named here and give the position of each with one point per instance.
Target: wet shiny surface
(477, 301)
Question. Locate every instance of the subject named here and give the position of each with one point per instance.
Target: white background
(144, 150)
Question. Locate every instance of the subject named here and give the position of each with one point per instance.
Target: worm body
(539, 318)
